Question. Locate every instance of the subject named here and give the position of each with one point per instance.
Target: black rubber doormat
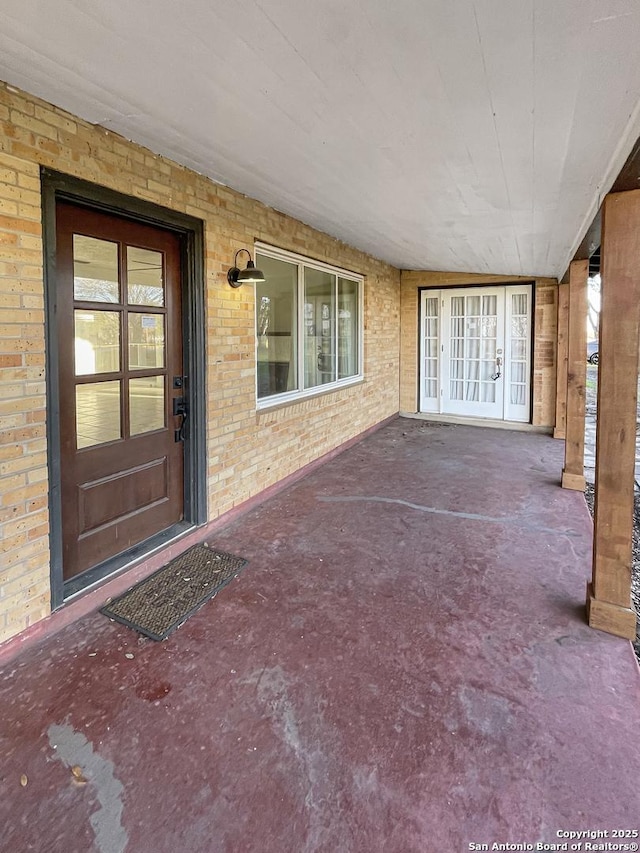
(164, 601)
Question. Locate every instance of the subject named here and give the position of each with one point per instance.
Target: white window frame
(339, 272)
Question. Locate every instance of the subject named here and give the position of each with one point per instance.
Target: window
(308, 326)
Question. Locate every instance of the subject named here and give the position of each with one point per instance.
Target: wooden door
(120, 373)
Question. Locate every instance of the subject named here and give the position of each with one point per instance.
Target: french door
(120, 362)
(476, 352)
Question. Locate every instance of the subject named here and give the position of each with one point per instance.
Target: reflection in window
(276, 327)
(146, 404)
(325, 306)
(319, 336)
(97, 413)
(146, 341)
(95, 269)
(348, 344)
(145, 285)
(97, 342)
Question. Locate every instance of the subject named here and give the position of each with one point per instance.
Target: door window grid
(518, 363)
(430, 337)
(103, 412)
(474, 330)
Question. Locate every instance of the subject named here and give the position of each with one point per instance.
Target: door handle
(498, 372)
(180, 409)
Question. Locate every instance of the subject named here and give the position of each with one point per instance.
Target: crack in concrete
(73, 749)
(472, 516)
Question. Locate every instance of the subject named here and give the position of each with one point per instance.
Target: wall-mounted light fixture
(250, 275)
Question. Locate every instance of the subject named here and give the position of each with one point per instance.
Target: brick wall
(247, 450)
(24, 573)
(544, 341)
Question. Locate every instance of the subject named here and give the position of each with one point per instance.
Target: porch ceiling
(478, 135)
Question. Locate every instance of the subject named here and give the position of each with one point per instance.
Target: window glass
(95, 269)
(348, 343)
(145, 285)
(276, 326)
(97, 342)
(146, 404)
(97, 413)
(319, 335)
(146, 341)
(325, 307)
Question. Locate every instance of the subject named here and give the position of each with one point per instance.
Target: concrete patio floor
(403, 666)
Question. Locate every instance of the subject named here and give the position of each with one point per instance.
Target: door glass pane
(473, 369)
(146, 404)
(97, 413)
(488, 370)
(145, 281)
(518, 394)
(347, 328)
(473, 348)
(95, 269)
(276, 326)
(490, 304)
(473, 306)
(430, 366)
(519, 356)
(518, 371)
(146, 341)
(97, 342)
(519, 349)
(489, 327)
(519, 303)
(489, 349)
(456, 390)
(319, 303)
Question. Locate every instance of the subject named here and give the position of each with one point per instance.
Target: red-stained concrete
(144, 566)
(403, 666)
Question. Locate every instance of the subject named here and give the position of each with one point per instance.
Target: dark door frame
(59, 187)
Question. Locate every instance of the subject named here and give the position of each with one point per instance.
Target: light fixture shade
(250, 275)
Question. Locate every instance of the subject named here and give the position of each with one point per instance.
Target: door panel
(120, 345)
(472, 380)
(518, 361)
(110, 498)
(430, 353)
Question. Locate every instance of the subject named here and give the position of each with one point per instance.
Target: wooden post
(609, 606)
(562, 361)
(573, 471)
